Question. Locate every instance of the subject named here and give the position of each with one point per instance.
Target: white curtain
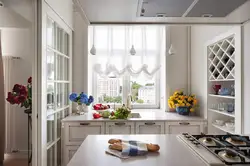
(113, 45)
(7, 69)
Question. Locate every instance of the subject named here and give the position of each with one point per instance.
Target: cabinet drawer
(120, 128)
(149, 127)
(69, 152)
(75, 133)
(184, 126)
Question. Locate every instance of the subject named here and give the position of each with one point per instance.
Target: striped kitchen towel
(130, 148)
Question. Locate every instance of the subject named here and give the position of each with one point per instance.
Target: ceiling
(173, 11)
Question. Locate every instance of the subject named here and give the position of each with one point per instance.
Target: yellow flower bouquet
(179, 101)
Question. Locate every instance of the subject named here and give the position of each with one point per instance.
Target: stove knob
(184, 133)
(195, 142)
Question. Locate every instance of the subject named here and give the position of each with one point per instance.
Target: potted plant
(186, 104)
(173, 100)
(82, 100)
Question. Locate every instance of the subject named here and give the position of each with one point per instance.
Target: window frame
(126, 90)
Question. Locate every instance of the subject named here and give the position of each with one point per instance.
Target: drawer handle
(150, 123)
(84, 124)
(120, 124)
(184, 123)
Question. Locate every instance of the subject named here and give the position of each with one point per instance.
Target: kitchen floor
(15, 160)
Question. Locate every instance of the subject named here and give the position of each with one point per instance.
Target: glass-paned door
(55, 83)
(58, 59)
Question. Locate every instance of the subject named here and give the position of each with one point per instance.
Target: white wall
(199, 36)
(246, 78)
(80, 55)
(18, 43)
(177, 65)
(64, 9)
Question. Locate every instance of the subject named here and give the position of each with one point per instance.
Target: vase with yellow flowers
(184, 104)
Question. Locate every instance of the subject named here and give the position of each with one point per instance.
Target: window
(116, 74)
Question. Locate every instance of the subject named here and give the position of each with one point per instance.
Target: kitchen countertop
(172, 152)
(146, 115)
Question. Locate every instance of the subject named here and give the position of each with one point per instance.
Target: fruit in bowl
(99, 107)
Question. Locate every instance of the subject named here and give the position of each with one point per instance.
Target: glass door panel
(50, 129)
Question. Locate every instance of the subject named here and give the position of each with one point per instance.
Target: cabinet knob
(120, 123)
(84, 124)
(184, 123)
(149, 123)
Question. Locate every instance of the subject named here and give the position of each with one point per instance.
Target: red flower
(16, 88)
(30, 80)
(22, 99)
(16, 101)
(23, 91)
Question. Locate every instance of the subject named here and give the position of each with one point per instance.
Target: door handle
(120, 123)
(149, 123)
(84, 124)
(184, 123)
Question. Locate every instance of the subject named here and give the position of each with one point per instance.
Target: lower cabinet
(75, 132)
(149, 128)
(69, 152)
(120, 128)
(184, 127)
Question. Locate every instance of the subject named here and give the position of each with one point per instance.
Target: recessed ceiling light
(160, 14)
(207, 15)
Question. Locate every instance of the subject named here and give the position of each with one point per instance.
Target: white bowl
(230, 125)
(219, 122)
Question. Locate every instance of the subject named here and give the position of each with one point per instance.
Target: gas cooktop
(218, 150)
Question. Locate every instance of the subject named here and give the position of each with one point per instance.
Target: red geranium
(21, 95)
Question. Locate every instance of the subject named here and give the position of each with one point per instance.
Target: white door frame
(40, 73)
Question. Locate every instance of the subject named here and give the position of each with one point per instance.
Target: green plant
(122, 113)
(140, 101)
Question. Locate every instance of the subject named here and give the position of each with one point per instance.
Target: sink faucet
(129, 99)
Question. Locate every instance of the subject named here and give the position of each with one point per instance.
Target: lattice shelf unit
(224, 69)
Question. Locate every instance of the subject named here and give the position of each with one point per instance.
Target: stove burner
(230, 154)
(208, 139)
(236, 140)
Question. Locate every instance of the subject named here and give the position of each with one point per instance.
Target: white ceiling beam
(190, 8)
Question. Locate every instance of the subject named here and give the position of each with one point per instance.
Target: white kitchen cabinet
(149, 128)
(192, 127)
(120, 128)
(76, 132)
(68, 153)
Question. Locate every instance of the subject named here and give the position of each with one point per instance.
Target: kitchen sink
(135, 115)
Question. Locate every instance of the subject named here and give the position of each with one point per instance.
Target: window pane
(66, 44)
(143, 90)
(50, 97)
(59, 117)
(50, 32)
(66, 112)
(60, 67)
(109, 90)
(66, 94)
(59, 153)
(50, 65)
(60, 92)
(66, 69)
(51, 156)
(50, 128)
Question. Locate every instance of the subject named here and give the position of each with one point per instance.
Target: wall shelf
(224, 128)
(222, 96)
(222, 112)
(224, 68)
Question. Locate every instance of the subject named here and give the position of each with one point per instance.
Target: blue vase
(183, 110)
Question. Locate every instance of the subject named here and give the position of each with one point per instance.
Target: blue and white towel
(130, 148)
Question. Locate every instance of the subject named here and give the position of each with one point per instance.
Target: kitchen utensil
(216, 88)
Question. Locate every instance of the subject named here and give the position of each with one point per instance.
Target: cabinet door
(120, 128)
(76, 132)
(149, 127)
(69, 152)
(184, 127)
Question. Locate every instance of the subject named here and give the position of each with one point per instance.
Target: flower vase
(183, 110)
(85, 108)
(80, 109)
